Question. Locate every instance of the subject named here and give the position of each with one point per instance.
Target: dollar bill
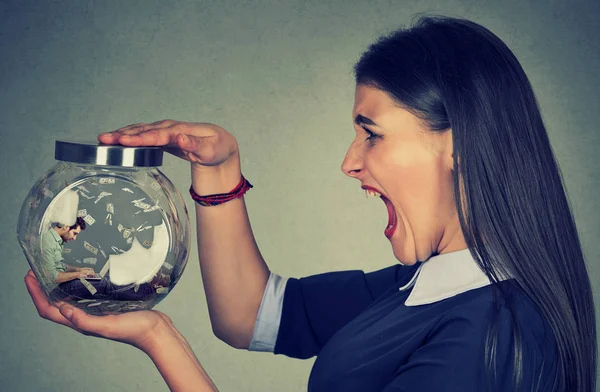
(162, 290)
(62, 167)
(90, 248)
(86, 196)
(90, 260)
(101, 196)
(155, 185)
(110, 207)
(106, 180)
(140, 204)
(153, 208)
(89, 219)
(104, 269)
(88, 286)
(81, 213)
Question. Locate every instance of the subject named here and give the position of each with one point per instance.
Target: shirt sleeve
(298, 316)
(50, 255)
(269, 315)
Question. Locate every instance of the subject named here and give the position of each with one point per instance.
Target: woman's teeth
(370, 193)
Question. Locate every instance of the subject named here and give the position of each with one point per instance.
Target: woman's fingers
(64, 314)
(201, 143)
(45, 309)
(87, 324)
(140, 137)
(160, 133)
(131, 328)
(133, 129)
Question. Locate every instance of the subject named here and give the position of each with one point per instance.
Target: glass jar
(104, 229)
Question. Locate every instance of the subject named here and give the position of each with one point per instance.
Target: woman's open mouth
(391, 225)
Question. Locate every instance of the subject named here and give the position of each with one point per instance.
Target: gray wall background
(277, 74)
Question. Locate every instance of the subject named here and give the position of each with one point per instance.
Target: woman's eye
(371, 136)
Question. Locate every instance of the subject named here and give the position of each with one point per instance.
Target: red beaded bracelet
(220, 198)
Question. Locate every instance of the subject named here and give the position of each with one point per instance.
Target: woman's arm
(234, 273)
(176, 361)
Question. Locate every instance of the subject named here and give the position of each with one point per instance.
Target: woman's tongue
(391, 225)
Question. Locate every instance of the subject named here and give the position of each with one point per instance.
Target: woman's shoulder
(505, 303)
(504, 318)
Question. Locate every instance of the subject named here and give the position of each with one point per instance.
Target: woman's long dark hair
(513, 210)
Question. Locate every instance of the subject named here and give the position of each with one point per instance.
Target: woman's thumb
(66, 311)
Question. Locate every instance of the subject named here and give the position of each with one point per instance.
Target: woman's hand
(149, 330)
(139, 329)
(212, 150)
(203, 144)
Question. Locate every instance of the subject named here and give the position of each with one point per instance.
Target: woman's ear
(448, 150)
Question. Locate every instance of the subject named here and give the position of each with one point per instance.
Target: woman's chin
(403, 256)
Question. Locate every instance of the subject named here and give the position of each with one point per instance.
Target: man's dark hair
(79, 222)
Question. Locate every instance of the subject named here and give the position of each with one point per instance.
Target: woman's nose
(353, 162)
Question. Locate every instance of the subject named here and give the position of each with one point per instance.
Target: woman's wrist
(175, 360)
(155, 339)
(210, 180)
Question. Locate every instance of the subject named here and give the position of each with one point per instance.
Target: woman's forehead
(371, 97)
(378, 106)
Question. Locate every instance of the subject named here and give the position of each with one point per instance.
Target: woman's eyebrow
(360, 119)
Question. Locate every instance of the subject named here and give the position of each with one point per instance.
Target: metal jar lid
(108, 155)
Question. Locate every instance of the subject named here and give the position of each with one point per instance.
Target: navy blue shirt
(366, 337)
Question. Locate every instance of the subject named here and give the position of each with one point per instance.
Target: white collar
(444, 276)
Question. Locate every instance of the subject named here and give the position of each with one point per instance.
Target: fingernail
(105, 134)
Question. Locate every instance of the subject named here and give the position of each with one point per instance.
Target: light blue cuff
(269, 315)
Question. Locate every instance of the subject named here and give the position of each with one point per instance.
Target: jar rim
(108, 154)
